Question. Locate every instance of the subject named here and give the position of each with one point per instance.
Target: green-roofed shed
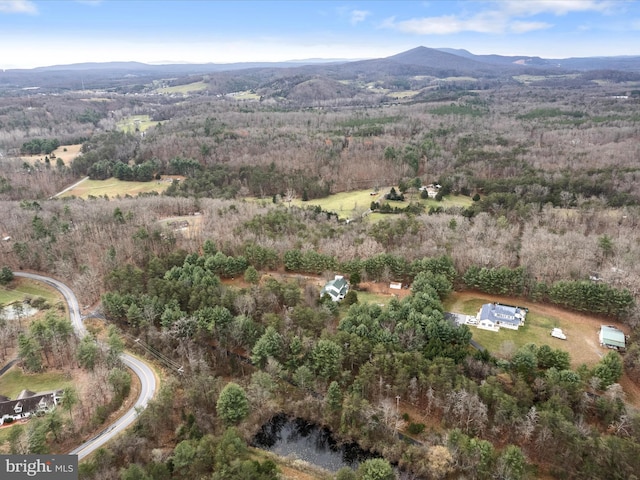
(611, 337)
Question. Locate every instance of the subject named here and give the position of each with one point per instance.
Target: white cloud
(17, 6)
(524, 27)
(358, 16)
(555, 7)
(489, 22)
(505, 16)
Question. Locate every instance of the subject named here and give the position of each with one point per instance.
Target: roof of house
(502, 313)
(612, 336)
(26, 394)
(337, 286)
(30, 402)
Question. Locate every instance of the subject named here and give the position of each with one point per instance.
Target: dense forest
(550, 217)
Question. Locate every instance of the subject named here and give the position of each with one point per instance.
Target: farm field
(581, 329)
(112, 187)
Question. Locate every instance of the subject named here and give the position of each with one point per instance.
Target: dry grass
(112, 187)
(65, 152)
(188, 88)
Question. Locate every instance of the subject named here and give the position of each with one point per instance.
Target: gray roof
(498, 313)
(29, 401)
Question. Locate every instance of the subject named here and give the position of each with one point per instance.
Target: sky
(49, 32)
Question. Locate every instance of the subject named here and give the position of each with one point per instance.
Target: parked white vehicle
(558, 333)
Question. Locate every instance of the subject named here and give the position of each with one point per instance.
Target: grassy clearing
(14, 381)
(345, 204)
(245, 95)
(112, 187)
(67, 152)
(403, 94)
(21, 288)
(187, 88)
(136, 123)
(374, 298)
(351, 205)
(535, 330)
(581, 330)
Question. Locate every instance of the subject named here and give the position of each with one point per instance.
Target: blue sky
(49, 32)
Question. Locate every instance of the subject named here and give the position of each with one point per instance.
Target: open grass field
(112, 187)
(187, 88)
(65, 152)
(345, 204)
(21, 288)
(14, 381)
(353, 204)
(581, 330)
(135, 123)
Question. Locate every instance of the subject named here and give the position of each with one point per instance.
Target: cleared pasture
(112, 187)
(183, 89)
(355, 204)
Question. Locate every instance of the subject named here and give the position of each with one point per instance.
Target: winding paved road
(139, 368)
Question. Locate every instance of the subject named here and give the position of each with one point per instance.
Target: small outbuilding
(611, 337)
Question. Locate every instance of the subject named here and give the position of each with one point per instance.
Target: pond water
(300, 439)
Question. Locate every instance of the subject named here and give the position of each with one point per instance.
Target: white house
(500, 315)
(336, 288)
(28, 403)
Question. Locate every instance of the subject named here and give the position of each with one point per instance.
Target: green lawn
(536, 329)
(112, 187)
(20, 288)
(375, 298)
(14, 381)
(345, 204)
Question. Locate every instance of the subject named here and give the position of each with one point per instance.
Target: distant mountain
(501, 59)
(320, 76)
(622, 63)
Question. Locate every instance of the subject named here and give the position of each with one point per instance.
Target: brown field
(67, 156)
(112, 187)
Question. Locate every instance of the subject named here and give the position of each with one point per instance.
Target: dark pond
(300, 439)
